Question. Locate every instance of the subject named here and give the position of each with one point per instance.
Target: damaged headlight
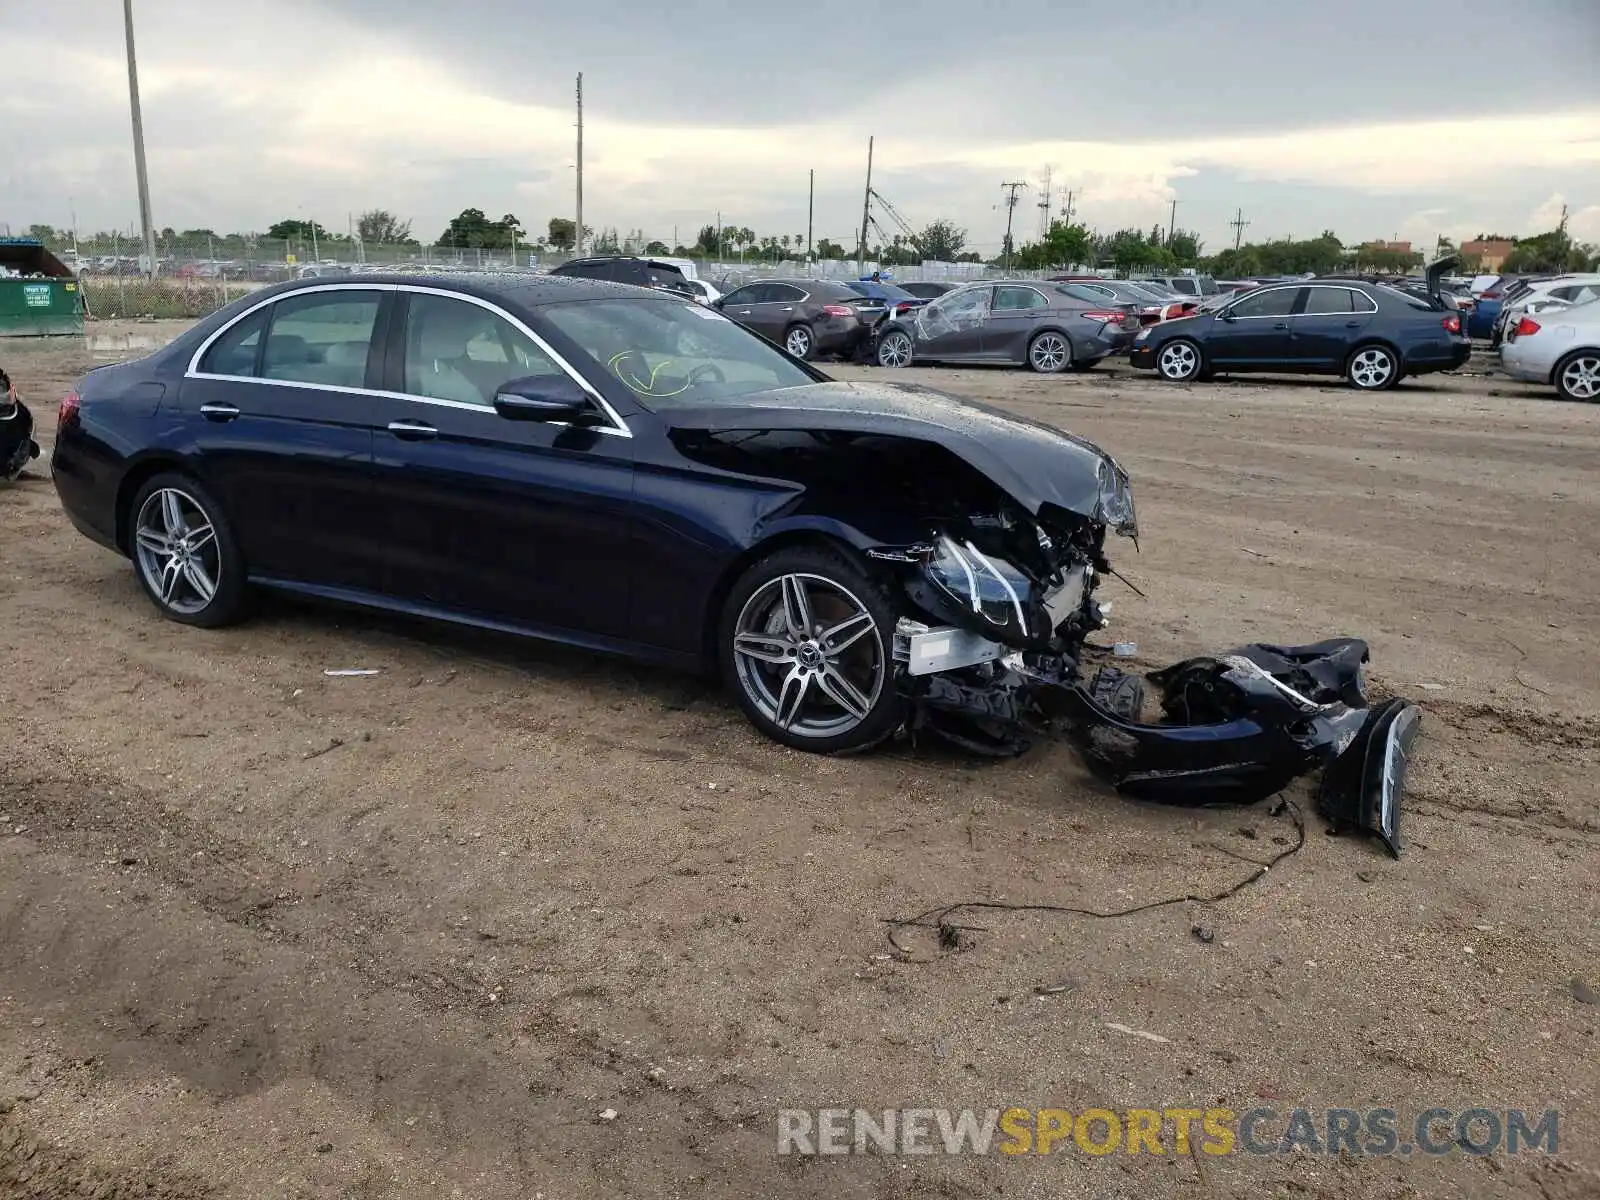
(987, 594)
(1116, 500)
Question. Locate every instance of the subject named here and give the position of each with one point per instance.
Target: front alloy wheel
(1578, 378)
(894, 349)
(806, 646)
(1049, 353)
(1179, 361)
(184, 553)
(1372, 369)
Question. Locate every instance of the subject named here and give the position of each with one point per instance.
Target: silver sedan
(1562, 348)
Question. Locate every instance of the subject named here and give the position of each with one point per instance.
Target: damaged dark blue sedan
(616, 469)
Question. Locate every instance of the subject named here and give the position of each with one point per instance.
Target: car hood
(1036, 465)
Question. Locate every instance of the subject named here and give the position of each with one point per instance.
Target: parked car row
(1538, 294)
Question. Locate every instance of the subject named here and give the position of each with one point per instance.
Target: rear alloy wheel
(798, 341)
(805, 646)
(184, 553)
(1050, 353)
(1373, 368)
(894, 349)
(1578, 377)
(1179, 361)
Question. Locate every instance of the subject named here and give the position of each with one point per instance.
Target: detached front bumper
(1142, 355)
(1232, 729)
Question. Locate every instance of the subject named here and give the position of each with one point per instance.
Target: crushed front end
(993, 654)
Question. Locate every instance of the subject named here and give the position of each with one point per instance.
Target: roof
(516, 287)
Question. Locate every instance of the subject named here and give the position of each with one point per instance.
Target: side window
(1272, 302)
(1587, 293)
(234, 353)
(738, 296)
(1563, 293)
(1185, 286)
(1014, 299)
(1362, 303)
(321, 337)
(1327, 301)
(464, 352)
(974, 302)
(784, 293)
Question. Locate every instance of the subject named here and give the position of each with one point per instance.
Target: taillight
(67, 409)
(1490, 295)
(1527, 327)
(1452, 324)
(838, 310)
(1103, 316)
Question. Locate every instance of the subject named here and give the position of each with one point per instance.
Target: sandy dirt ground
(264, 932)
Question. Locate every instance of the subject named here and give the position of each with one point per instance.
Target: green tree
(1185, 247)
(293, 229)
(608, 242)
(657, 248)
(380, 227)
(1553, 251)
(828, 248)
(1387, 260)
(708, 241)
(561, 233)
(940, 241)
(472, 230)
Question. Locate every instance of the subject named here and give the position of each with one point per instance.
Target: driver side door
(504, 521)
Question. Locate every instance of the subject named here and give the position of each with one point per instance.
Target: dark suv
(641, 272)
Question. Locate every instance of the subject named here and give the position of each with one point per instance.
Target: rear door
(1253, 332)
(280, 413)
(516, 521)
(1012, 318)
(1329, 324)
(775, 309)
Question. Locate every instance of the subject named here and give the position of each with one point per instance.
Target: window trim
(1256, 294)
(619, 428)
(1021, 287)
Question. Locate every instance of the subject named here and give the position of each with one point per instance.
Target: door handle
(1352, 324)
(1281, 325)
(218, 412)
(789, 309)
(744, 312)
(412, 431)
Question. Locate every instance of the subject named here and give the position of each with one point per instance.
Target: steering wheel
(708, 369)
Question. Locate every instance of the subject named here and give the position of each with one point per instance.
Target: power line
(1239, 225)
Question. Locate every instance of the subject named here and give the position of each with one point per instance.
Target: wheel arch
(1376, 340)
(1560, 362)
(141, 472)
(820, 533)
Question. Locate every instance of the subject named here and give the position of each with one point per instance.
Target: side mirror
(719, 302)
(550, 398)
(1227, 315)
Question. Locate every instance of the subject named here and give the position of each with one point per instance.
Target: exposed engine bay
(1001, 561)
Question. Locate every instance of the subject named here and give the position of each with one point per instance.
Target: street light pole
(138, 143)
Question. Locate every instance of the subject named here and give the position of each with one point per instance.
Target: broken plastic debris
(1125, 649)
(1433, 687)
(1138, 1033)
(353, 671)
(608, 1114)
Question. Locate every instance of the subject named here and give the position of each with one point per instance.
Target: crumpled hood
(1034, 464)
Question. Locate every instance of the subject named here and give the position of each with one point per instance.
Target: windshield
(883, 291)
(674, 353)
(1144, 291)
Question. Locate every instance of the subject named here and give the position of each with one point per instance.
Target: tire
(198, 580)
(1577, 377)
(894, 349)
(1050, 353)
(1372, 368)
(1180, 361)
(785, 679)
(799, 341)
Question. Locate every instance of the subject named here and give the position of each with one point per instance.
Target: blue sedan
(1371, 334)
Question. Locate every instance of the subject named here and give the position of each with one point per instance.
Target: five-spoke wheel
(1373, 368)
(1179, 361)
(184, 553)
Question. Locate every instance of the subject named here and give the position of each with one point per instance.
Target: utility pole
(1011, 190)
(1172, 221)
(577, 237)
(866, 214)
(1239, 224)
(1068, 217)
(1044, 204)
(811, 210)
(719, 235)
(138, 143)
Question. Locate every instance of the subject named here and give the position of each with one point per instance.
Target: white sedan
(1561, 347)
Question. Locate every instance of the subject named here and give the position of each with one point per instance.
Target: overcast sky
(1375, 118)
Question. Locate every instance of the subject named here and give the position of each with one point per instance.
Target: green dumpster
(39, 295)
